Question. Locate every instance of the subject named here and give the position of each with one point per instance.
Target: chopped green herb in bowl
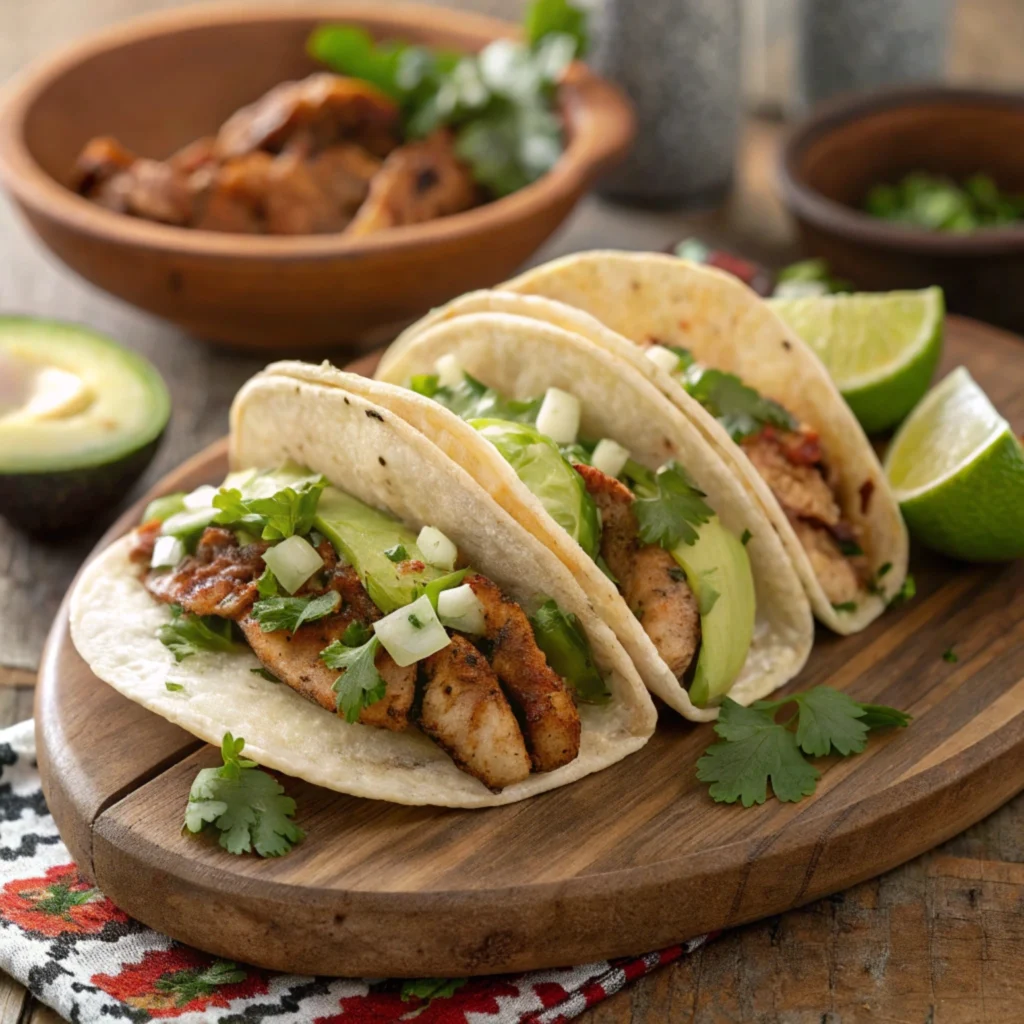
(939, 203)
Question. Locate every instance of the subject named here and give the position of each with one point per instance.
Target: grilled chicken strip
(837, 573)
(551, 721)
(465, 712)
(652, 583)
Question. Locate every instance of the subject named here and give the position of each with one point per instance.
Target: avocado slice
(80, 420)
(718, 571)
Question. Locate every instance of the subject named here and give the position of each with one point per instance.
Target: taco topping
(361, 634)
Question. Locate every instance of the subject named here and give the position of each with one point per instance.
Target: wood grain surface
(937, 941)
(631, 859)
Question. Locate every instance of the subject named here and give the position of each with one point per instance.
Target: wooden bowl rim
(806, 203)
(599, 117)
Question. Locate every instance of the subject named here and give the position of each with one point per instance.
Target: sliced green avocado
(80, 419)
(717, 568)
(364, 536)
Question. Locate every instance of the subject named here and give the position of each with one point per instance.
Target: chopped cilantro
(274, 613)
(265, 673)
(845, 606)
(360, 684)
(950, 655)
(429, 989)
(746, 538)
(882, 570)
(905, 593)
(290, 511)
(672, 516)
(472, 399)
(414, 621)
(245, 804)
(606, 569)
(266, 585)
(356, 634)
(174, 687)
(186, 635)
(397, 553)
(679, 575)
(740, 409)
(755, 748)
(686, 359)
(850, 548)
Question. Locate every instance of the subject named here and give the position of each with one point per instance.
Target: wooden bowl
(161, 81)
(831, 160)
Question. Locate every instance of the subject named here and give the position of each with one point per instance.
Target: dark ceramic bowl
(831, 160)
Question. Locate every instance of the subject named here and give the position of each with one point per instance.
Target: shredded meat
(418, 182)
(465, 712)
(837, 573)
(652, 584)
(551, 721)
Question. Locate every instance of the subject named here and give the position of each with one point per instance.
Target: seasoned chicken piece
(343, 174)
(219, 579)
(551, 721)
(232, 197)
(799, 487)
(652, 584)
(192, 157)
(419, 181)
(295, 659)
(295, 202)
(837, 573)
(465, 712)
(323, 109)
(100, 160)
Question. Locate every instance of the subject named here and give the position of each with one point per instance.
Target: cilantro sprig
(671, 515)
(756, 749)
(360, 684)
(186, 635)
(426, 990)
(739, 408)
(244, 803)
(471, 399)
(274, 613)
(290, 511)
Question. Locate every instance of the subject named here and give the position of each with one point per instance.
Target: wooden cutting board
(628, 860)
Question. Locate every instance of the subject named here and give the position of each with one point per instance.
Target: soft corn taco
(355, 605)
(592, 459)
(763, 399)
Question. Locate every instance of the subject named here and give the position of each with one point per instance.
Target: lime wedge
(880, 348)
(957, 471)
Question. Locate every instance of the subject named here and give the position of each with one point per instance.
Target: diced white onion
(449, 371)
(559, 416)
(293, 561)
(609, 456)
(167, 553)
(436, 548)
(201, 497)
(412, 633)
(663, 357)
(459, 608)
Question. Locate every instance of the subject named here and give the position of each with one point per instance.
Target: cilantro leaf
(397, 553)
(950, 655)
(266, 585)
(265, 673)
(548, 17)
(360, 684)
(290, 511)
(905, 593)
(186, 635)
(672, 516)
(429, 989)
(356, 634)
(244, 803)
(174, 687)
(756, 748)
(740, 409)
(845, 606)
(471, 399)
(274, 613)
(746, 538)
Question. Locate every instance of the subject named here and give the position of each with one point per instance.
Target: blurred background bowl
(164, 80)
(831, 160)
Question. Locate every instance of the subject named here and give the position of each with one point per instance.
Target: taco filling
(684, 576)
(358, 614)
(789, 458)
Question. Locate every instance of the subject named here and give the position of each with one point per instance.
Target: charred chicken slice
(551, 721)
(465, 712)
(652, 584)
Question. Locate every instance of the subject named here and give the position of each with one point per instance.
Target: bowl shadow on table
(830, 161)
(261, 292)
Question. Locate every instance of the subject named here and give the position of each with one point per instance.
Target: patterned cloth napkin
(80, 954)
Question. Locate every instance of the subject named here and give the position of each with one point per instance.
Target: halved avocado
(80, 419)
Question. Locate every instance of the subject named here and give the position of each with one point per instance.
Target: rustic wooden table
(938, 941)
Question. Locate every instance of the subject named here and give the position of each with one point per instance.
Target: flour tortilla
(647, 296)
(362, 447)
(522, 357)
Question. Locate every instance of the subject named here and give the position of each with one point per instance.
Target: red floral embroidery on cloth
(58, 903)
(479, 996)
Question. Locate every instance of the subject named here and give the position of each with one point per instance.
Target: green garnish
(671, 517)
(565, 646)
(755, 748)
(414, 621)
(938, 203)
(290, 511)
(746, 538)
(186, 635)
(434, 587)
(245, 804)
(905, 593)
(850, 548)
(356, 634)
(845, 606)
(429, 989)
(265, 673)
(740, 409)
(472, 399)
(950, 655)
(197, 983)
(174, 687)
(809, 277)
(361, 684)
(397, 553)
(274, 613)
(500, 103)
(266, 585)
(708, 595)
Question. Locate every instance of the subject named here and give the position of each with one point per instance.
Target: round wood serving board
(628, 860)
